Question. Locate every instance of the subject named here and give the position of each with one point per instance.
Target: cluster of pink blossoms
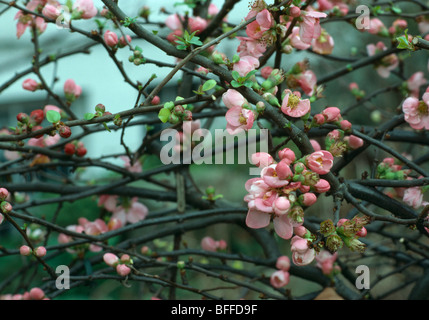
(5, 206)
(280, 278)
(51, 9)
(129, 211)
(326, 262)
(284, 187)
(33, 294)
(210, 244)
(122, 265)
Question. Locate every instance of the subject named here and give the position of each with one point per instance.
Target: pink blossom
(416, 112)
(197, 24)
(123, 42)
(310, 26)
(85, 8)
(40, 252)
(413, 197)
(173, 22)
(109, 202)
(213, 10)
(36, 294)
(270, 176)
(232, 98)
(71, 89)
(245, 65)
(132, 214)
(51, 11)
(287, 154)
(110, 38)
(279, 278)
(281, 206)
(323, 44)
(315, 144)
(376, 26)
(325, 261)
(250, 47)
(135, 168)
(208, 244)
(387, 63)
(262, 159)
(30, 85)
(322, 186)
(266, 71)
(301, 254)
(294, 106)
(51, 107)
(320, 162)
(110, 259)
(238, 119)
(308, 199)
(307, 81)
(331, 114)
(415, 82)
(264, 21)
(123, 270)
(295, 40)
(283, 263)
(353, 142)
(25, 250)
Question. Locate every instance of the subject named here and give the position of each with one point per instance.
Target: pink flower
(287, 154)
(173, 22)
(245, 65)
(353, 142)
(331, 114)
(122, 42)
(294, 106)
(71, 90)
(325, 261)
(416, 112)
(271, 177)
(413, 197)
(283, 263)
(264, 21)
(109, 202)
(308, 199)
(415, 82)
(262, 159)
(387, 63)
(30, 85)
(213, 10)
(250, 47)
(36, 294)
(295, 40)
(197, 24)
(301, 254)
(310, 26)
(134, 213)
(232, 98)
(376, 26)
(238, 119)
(40, 252)
(85, 8)
(323, 44)
(307, 81)
(279, 278)
(315, 144)
(110, 38)
(208, 244)
(322, 186)
(136, 167)
(320, 162)
(123, 270)
(110, 259)
(25, 250)
(51, 12)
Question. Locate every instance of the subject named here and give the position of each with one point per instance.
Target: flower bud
(25, 250)
(81, 151)
(30, 85)
(110, 38)
(308, 199)
(110, 259)
(180, 265)
(123, 270)
(64, 131)
(70, 149)
(260, 106)
(22, 117)
(100, 108)
(297, 214)
(5, 207)
(283, 263)
(3, 194)
(334, 242)
(40, 252)
(36, 294)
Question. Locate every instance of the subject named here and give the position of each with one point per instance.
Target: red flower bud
(35, 128)
(70, 149)
(81, 151)
(64, 131)
(22, 117)
(37, 116)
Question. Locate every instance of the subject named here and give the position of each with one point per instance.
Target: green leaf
(138, 49)
(396, 10)
(248, 83)
(235, 75)
(53, 116)
(251, 73)
(209, 84)
(235, 84)
(181, 47)
(164, 114)
(105, 126)
(155, 32)
(89, 116)
(235, 58)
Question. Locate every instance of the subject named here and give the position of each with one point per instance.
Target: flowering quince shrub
(341, 179)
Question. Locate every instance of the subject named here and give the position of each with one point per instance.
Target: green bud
(180, 265)
(327, 227)
(355, 244)
(334, 242)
